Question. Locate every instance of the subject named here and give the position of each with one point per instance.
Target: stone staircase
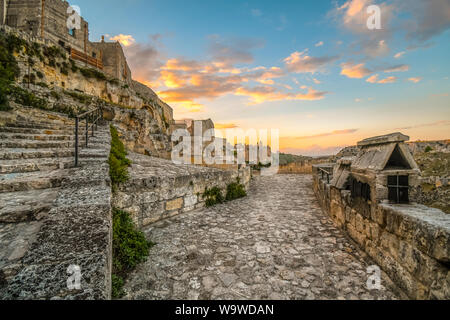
(52, 215)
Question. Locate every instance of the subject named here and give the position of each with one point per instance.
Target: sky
(312, 69)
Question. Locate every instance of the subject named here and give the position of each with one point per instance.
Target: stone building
(114, 60)
(384, 169)
(47, 19)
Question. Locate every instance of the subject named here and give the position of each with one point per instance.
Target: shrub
(118, 163)
(428, 149)
(213, 196)
(83, 98)
(235, 190)
(92, 73)
(40, 74)
(129, 249)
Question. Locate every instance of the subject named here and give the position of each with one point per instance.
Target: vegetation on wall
(9, 68)
(235, 190)
(118, 162)
(129, 249)
(213, 196)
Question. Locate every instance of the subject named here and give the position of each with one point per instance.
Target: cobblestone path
(274, 244)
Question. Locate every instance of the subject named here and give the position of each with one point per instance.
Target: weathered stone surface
(410, 242)
(259, 247)
(52, 215)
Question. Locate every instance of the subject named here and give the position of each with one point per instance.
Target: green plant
(92, 73)
(213, 196)
(83, 98)
(235, 190)
(118, 163)
(428, 149)
(129, 249)
(40, 74)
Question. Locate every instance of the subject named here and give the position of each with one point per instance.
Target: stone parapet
(158, 189)
(411, 243)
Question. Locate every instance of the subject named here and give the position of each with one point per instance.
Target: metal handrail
(325, 173)
(95, 115)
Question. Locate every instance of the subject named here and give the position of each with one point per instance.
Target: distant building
(47, 19)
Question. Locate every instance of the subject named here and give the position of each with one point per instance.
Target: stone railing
(411, 243)
(158, 189)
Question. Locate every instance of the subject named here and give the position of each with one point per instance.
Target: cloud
(326, 134)
(312, 151)
(428, 18)
(125, 40)
(399, 55)
(232, 51)
(319, 44)
(352, 17)
(221, 126)
(422, 125)
(256, 12)
(300, 62)
(375, 79)
(397, 68)
(316, 81)
(415, 80)
(354, 71)
(266, 93)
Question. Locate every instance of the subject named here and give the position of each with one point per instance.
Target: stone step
(39, 137)
(42, 164)
(14, 154)
(36, 144)
(26, 205)
(32, 165)
(69, 131)
(27, 181)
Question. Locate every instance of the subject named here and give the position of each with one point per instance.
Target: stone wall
(114, 61)
(411, 243)
(158, 189)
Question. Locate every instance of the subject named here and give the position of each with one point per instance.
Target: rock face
(55, 219)
(132, 106)
(158, 189)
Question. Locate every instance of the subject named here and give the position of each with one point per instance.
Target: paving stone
(259, 247)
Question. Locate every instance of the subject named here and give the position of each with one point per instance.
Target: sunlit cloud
(265, 93)
(375, 79)
(326, 134)
(398, 68)
(399, 54)
(125, 40)
(319, 44)
(422, 125)
(301, 62)
(222, 126)
(415, 80)
(355, 71)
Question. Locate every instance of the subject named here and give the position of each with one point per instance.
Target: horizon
(313, 70)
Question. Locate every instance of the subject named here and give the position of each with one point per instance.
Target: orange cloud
(221, 126)
(125, 40)
(374, 79)
(354, 71)
(415, 80)
(300, 62)
(266, 93)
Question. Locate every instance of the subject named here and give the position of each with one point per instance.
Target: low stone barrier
(158, 189)
(411, 243)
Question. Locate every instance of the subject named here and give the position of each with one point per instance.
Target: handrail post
(76, 142)
(93, 121)
(87, 130)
